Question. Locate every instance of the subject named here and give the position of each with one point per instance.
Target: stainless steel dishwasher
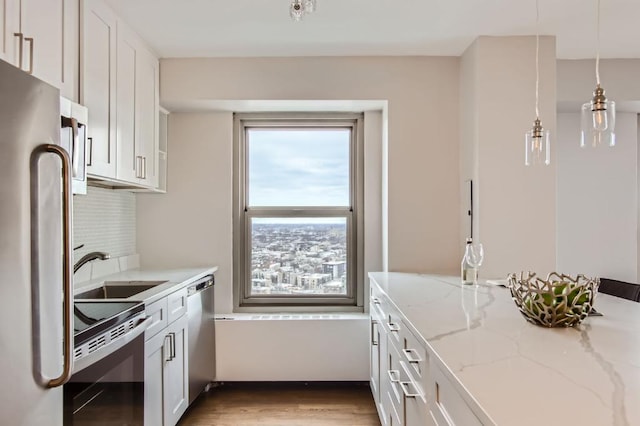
(202, 362)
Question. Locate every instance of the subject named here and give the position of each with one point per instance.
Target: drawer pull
(374, 341)
(405, 390)
(394, 328)
(412, 356)
(391, 373)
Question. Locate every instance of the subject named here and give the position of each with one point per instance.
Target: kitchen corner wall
(104, 220)
(514, 205)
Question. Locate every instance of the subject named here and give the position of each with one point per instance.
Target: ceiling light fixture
(537, 139)
(299, 8)
(598, 115)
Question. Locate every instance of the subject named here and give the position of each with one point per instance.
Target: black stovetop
(91, 318)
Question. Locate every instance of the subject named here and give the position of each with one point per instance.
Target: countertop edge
(474, 405)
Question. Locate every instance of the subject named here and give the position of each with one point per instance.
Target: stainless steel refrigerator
(36, 333)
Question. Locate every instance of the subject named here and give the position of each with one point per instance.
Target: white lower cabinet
(166, 369)
(408, 385)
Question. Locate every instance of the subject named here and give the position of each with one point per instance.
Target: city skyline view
(298, 258)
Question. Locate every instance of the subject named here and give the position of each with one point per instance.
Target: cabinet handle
(167, 357)
(393, 327)
(138, 166)
(31, 43)
(144, 167)
(173, 345)
(412, 356)
(375, 300)
(20, 47)
(374, 323)
(391, 373)
(405, 390)
(90, 149)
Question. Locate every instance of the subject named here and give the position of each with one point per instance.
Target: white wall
(304, 349)
(514, 205)
(598, 201)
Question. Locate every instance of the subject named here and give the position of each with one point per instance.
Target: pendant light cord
(598, 45)
(538, 59)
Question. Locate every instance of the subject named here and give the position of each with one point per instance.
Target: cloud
(298, 167)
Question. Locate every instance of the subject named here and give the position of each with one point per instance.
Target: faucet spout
(94, 255)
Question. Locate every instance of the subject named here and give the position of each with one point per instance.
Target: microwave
(73, 138)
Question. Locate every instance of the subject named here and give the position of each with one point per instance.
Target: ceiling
(202, 28)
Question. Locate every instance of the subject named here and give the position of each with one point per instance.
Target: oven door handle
(112, 346)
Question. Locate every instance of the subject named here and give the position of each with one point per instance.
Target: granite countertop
(175, 280)
(519, 373)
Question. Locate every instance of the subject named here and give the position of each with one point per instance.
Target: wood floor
(284, 404)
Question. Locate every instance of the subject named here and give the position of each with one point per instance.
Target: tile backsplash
(104, 220)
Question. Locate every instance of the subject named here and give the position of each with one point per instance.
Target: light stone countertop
(518, 373)
(175, 280)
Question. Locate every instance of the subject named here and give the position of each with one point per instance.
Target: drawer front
(395, 375)
(158, 311)
(395, 328)
(416, 409)
(448, 407)
(377, 302)
(416, 356)
(177, 304)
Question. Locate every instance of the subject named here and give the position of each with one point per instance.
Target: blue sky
(298, 167)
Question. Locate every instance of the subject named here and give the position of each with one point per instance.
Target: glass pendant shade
(598, 121)
(537, 146)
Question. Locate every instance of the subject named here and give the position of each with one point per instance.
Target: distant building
(335, 269)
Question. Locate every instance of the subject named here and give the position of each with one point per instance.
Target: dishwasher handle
(201, 285)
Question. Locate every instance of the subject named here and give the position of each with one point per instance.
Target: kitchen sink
(117, 289)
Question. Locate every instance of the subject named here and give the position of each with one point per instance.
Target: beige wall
(577, 79)
(422, 123)
(191, 225)
(515, 205)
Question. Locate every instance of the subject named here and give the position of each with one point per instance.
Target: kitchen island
(487, 363)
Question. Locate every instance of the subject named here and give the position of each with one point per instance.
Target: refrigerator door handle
(67, 282)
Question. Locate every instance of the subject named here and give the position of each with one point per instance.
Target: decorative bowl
(558, 301)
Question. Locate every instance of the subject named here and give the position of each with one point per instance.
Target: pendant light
(598, 115)
(537, 150)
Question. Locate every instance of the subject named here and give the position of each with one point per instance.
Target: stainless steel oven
(107, 385)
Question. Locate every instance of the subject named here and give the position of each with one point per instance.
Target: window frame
(353, 213)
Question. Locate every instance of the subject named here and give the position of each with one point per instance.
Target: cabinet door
(147, 104)
(176, 373)
(128, 156)
(42, 23)
(9, 27)
(99, 86)
(156, 354)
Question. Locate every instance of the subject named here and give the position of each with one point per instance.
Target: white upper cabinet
(41, 37)
(137, 120)
(121, 89)
(10, 27)
(128, 168)
(98, 92)
(147, 109)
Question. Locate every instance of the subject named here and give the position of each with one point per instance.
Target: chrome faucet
(89, 257)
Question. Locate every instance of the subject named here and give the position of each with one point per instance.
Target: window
(298, 210)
